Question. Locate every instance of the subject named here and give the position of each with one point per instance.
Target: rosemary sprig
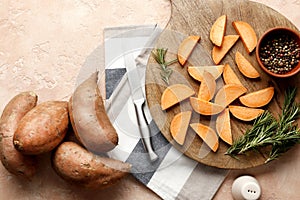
(284, 143)
(282, 134)
(288, 133)
(259, 135)
(159, 55)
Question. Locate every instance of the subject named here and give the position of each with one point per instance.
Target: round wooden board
(195, 17)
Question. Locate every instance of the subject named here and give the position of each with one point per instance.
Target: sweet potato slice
(245, 67)
(207, 134)
(217, 30)
(179, 126)
(223, 126)
(218, 53)
(186, 47)
(208, 87)
(205, 107)
(247, 35)
(245, 113)
(175, 94)
(196, 72)
(230, 77)
(228, 93)
(258, 98)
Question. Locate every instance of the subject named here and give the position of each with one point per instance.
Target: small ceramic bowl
(269, 36)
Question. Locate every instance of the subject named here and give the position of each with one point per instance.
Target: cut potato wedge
(175, 94)
(223, 126)
(196, 72)
(247, 35)
(179, 126)
(218, 53)
(228, 93)
(258, 98)
(208, 87)
(207, 134)
(217, 31)
(245, 67)
(205, 107)
(245, 113)
(186, 47)
(230, 77)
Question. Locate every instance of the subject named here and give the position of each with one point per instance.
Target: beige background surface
(43, 44)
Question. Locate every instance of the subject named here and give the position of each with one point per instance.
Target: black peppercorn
(281, 54)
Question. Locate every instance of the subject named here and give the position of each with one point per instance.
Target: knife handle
(144, 128)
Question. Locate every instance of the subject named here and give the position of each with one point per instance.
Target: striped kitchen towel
(173, 175)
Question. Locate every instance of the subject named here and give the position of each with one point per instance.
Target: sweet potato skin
(15, 162)
(42, 128)
(80, 167)
(88, 117)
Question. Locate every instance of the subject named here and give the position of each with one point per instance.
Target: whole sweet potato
(42, 128)
(15, 162)
(78, 166)
(89, 119)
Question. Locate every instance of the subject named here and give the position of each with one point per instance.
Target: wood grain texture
(195, 17)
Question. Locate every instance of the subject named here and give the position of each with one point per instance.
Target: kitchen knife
(139, 101)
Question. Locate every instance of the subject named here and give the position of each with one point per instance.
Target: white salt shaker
(246, 188)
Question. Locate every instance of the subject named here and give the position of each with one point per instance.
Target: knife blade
(139, 101)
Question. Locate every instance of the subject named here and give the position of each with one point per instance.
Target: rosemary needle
(159, 55)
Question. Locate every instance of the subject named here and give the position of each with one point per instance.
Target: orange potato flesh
(207, 134)
(218, 53)
(245, 67)
(247, 35)
(258, 98)
(205, 107)
(196, 72)
(223, 126)
(208, 87)
(230, 77)
(186, 48)
(175, 94)
(245, 113)
(179, 126)
(228, 93)
(217, 30)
